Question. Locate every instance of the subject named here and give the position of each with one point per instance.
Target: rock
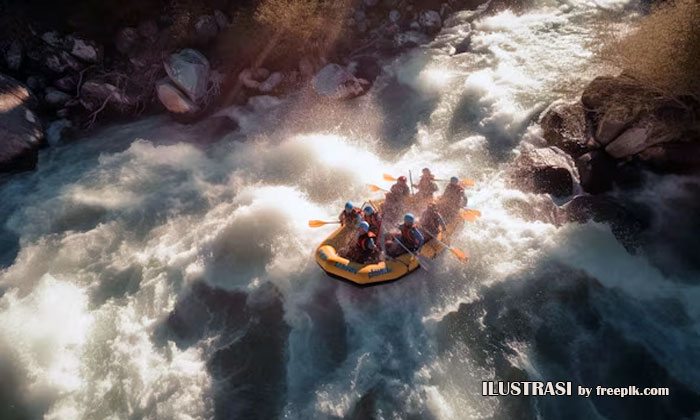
(87, 51)
(464, 45)
(359, 15)
(189, 71)
(55, 131)
(67, 83)
(596, 171)
(206, 29)
(642, 135)
(430, 21)
(21, 134)
(271, 82)
(394, 16)
(56, 98)
(221, 20)
(613, 122)
(564, 126)
(605, 90)
(94, 94)
(334, 81)
(371, 3)
(174, 99)
(544, 171)
(362, 26)
(673, 157)
(126, 39)
(54, 39)
(14, 55)
(60, 62)
(148, 29)
(410, 39)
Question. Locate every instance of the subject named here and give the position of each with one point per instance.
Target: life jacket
(426, 185)
(431, 220)
(374, 221)
(400, 190)
(355, 214)
(362, 241)
(454, 194)
(407, 236)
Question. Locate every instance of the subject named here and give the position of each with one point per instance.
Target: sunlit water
(150, 272)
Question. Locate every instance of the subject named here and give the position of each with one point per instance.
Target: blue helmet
(454, 180)
(368, 210)
(408, 218)
(364, 226)
(349, 206)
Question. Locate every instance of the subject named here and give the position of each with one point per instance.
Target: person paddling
(350, 216)
(373, 219)
(453, 198)
(426, 186)
(363, 249)
(431, 220)
(408, 235)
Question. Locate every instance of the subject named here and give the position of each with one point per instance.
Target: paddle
(375, 188)
(465, 182)
(319, 223)
(456, 252)
(422, 262)
(469, 214)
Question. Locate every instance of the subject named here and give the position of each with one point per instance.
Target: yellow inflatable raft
(384, 271)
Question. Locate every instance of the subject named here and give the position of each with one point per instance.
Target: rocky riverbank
(605, 142)
(160, 64)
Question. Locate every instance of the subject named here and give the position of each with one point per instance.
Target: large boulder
(596, 171)
(189, 71)
(640, 136)
(564, 126)
(544, 171)
(21, 134)
(605, 90)
(88, 51)
(335, 81)
(613, 121)
(430, 21)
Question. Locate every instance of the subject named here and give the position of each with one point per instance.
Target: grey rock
(222, 20)
(430, 21)
(642, 135)
(564, 126)
(271, 82)
(394, 16)
(94, 94)
(613, 122)
(88, 51)
(56, 98)
(596, 171)
(189, 70)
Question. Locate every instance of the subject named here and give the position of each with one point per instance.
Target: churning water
(151, 272)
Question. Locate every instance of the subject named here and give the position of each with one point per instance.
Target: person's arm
(418, 236)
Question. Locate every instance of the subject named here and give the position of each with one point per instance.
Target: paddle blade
(470, 215)
(459, 254)
(316, 223)
(388, 177)
(374, 188)
(467, 183)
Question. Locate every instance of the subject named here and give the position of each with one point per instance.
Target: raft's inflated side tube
(381, 272)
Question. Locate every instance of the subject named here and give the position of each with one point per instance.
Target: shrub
(663, 52)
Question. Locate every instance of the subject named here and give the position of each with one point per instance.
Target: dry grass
(664, 51)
